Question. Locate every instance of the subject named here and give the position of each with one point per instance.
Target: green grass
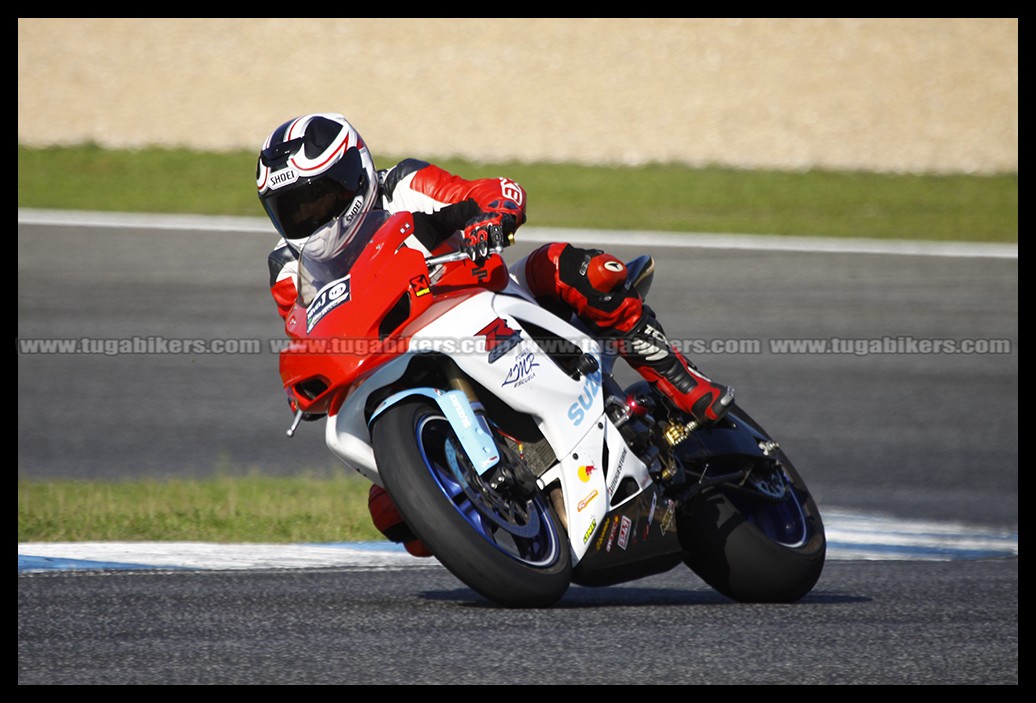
(655, 197)
(224, 509)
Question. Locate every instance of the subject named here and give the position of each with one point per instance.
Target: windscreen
(329, 253)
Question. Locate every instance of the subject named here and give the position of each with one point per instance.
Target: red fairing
(390, 297)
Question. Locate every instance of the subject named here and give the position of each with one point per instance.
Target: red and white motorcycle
(508, 446)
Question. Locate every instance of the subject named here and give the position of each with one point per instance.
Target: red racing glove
(487, 234)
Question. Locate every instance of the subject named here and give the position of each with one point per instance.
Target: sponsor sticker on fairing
(522, 371)
(590, 531)
(624, 532)
(330, 296)
(500, 338)
(586, 501)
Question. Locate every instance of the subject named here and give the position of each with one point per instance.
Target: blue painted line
(703, 240)
(32, 563)
(99, 556)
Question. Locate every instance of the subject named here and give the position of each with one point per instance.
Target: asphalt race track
(890, 419)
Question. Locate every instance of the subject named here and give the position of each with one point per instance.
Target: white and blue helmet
(313, 169)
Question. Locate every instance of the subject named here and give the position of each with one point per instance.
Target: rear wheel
(758, 541)
(505, 544)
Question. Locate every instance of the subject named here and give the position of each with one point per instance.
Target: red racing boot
(390, 523)
(593, 285)
(646, 348)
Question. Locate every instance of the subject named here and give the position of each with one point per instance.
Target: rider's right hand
(485, 235)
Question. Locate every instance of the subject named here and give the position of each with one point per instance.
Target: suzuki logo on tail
(500, 338)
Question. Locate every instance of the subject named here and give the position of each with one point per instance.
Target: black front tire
(511, 551)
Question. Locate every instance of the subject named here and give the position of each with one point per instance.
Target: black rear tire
(510, 550)
(737, 552)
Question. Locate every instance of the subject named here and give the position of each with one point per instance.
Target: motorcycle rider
(316, 167)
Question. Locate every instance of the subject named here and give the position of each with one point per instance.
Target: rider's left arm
(432, 229)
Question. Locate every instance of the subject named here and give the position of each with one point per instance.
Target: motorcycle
(511, 451)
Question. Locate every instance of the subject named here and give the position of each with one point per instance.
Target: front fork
(511, 475)
(492, 460)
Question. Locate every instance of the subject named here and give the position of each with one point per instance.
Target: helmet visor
(305, 206)
(298, 211)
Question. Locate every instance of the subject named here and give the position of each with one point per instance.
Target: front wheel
(506, 545)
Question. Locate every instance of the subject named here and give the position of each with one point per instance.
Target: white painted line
(124, 220)
(861, 536)
(600, 238)
(766, 242)
(851, 536)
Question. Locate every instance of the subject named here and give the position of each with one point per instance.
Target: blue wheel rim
(523, 530)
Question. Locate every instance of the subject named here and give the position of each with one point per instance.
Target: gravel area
(935, 95)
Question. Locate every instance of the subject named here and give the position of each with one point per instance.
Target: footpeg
(675, 433)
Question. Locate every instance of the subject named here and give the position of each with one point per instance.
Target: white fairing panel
(485, 337)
